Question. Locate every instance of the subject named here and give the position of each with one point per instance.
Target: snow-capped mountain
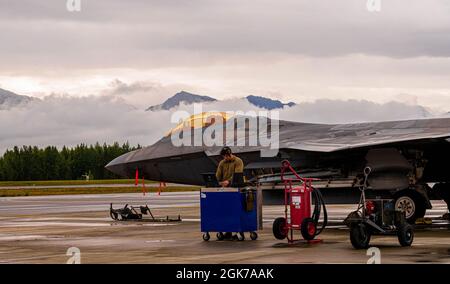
(179, 98)
(267, 103)
(189, 98)
(9, 99)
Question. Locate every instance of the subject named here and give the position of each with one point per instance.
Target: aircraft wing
(330, 138)
(350, 136)
(337, 137)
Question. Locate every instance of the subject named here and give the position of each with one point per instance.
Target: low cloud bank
(63, 120)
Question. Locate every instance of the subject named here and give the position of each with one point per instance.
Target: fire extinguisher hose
(319, 204)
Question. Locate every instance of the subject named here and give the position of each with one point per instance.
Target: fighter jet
(408, 159)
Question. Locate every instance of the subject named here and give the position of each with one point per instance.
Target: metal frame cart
(133, 213)
(377, 217)
(230, 210)
(297, 208)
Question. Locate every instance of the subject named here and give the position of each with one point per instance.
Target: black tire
(241, 236)
(443, 192)
(206, 237)
(220, 236)
(279, 228)
(253, 236)
(412, 203)
(308, 229)
(405, 235)
(359, 236)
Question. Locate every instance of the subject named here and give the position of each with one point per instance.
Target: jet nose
(119, 165)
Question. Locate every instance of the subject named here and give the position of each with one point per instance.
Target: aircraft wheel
(405, 235)
(206, 237)
(359, 236)
(412, 203)
(253, 236)
(279, 228)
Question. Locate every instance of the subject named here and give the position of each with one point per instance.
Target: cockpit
(201, 120)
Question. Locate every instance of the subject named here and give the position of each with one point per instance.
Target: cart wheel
(113, 215)
(405, 235)
(206, 237)
(279, 228)
(220, 236)
(253, 236)
(308, 229)
(241, 236)
(359, 236)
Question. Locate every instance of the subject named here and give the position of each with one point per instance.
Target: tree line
(50, 163)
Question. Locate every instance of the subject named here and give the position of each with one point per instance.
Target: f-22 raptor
(409, 160)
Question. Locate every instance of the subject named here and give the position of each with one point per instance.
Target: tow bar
(297, 202)
(131, 213)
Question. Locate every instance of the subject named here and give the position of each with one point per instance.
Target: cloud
(307, 50)
(112, 33)
(339, 61)
(353, 111)
(142, 94)
(62, 120)
(120, 88)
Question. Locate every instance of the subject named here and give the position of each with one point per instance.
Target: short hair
(225, 151)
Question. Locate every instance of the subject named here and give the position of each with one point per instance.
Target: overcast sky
(296, 50)
(144, 51)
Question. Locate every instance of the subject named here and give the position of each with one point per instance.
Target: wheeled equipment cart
(229, 210)
(377, 217)
(297, 207)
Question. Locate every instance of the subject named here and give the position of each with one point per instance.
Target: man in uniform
(228, 167)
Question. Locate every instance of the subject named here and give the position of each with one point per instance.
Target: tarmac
(42, 229)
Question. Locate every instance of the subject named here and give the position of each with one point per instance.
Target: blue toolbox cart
(230, 210)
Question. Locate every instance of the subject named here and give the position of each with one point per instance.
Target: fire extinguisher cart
(297, 201)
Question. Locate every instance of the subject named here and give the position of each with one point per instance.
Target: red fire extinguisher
(298, 211)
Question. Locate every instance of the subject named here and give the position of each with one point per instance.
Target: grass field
(90, 190)
(69, 182)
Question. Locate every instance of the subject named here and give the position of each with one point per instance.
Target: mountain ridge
(190, 98)
(9, 99)
(178, 98)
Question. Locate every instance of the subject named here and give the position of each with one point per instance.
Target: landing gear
(412, 203)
